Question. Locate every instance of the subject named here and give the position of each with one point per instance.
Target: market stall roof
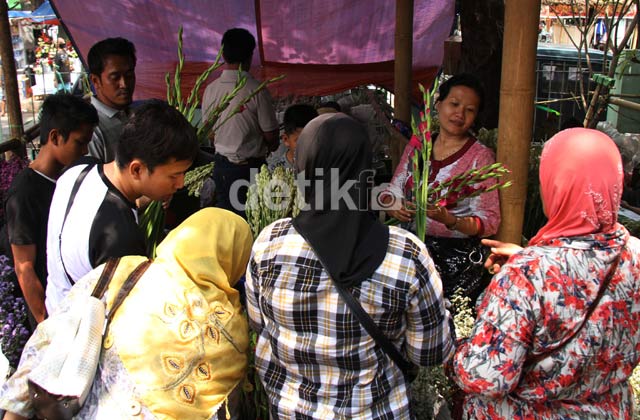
(322, 46)
(19, 14)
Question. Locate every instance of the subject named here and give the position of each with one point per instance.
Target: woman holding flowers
(557, 334)
(455, 226)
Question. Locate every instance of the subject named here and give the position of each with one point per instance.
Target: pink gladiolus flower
(423, 127)
(415, 142)
(452, 199)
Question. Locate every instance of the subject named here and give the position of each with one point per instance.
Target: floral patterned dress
(535, 302)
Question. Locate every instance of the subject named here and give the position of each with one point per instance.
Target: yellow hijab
(180, 333)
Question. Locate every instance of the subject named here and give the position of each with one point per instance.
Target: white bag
(71, 359)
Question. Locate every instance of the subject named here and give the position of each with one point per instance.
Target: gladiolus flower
(415, 142)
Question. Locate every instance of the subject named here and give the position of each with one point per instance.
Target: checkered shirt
(315, 359)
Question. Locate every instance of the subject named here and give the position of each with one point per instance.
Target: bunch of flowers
(433, 389)
(272, 196)
(45, 50)
(421, 141)
(452, 190)
(194, 179)
(466, 185)
(71, 52)
(13, 315)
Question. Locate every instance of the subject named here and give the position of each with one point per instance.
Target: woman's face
(458, 111)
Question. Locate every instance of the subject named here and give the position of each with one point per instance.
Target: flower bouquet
(452, 190)
(272, 196)
(45, 51)
(432, 389)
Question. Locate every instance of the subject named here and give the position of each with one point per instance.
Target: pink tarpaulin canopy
(322, 46)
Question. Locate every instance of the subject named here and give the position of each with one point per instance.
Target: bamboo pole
(16, 129)
(403, 59)
(517, 94)
(624, 103)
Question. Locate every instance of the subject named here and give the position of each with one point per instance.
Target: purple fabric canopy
(322, 46)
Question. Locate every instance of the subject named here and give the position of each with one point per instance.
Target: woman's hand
(500, 253)
(441, 214)
(405, 213)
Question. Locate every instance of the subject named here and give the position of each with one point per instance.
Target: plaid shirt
(313, 356)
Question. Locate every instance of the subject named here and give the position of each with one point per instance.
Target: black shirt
(27, 212)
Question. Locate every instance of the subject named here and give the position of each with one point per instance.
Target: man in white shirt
(244, 140)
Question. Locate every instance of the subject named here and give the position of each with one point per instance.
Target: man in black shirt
(66, 126)
(157, 147)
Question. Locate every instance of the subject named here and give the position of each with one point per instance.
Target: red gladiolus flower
(455, 183)
(467, 190)
(422, 127)
(415, 142)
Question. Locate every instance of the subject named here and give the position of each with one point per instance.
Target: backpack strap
(105, 277)
(72, 197)
(127, 286)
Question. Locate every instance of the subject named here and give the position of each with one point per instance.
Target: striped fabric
(313, 356)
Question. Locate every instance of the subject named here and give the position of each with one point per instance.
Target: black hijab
(335, 155)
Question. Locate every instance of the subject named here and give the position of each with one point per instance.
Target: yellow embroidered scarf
(181, 333)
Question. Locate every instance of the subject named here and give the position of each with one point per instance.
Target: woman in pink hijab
(558, 330)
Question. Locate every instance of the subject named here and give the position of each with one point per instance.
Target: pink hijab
(580, 184)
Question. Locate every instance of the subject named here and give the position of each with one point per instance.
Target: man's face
(116, 83)
(291, 140)
(75, 146)
(164, 180)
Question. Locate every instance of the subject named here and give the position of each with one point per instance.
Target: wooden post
(515, 125)
(403, 66)
(10, 78)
